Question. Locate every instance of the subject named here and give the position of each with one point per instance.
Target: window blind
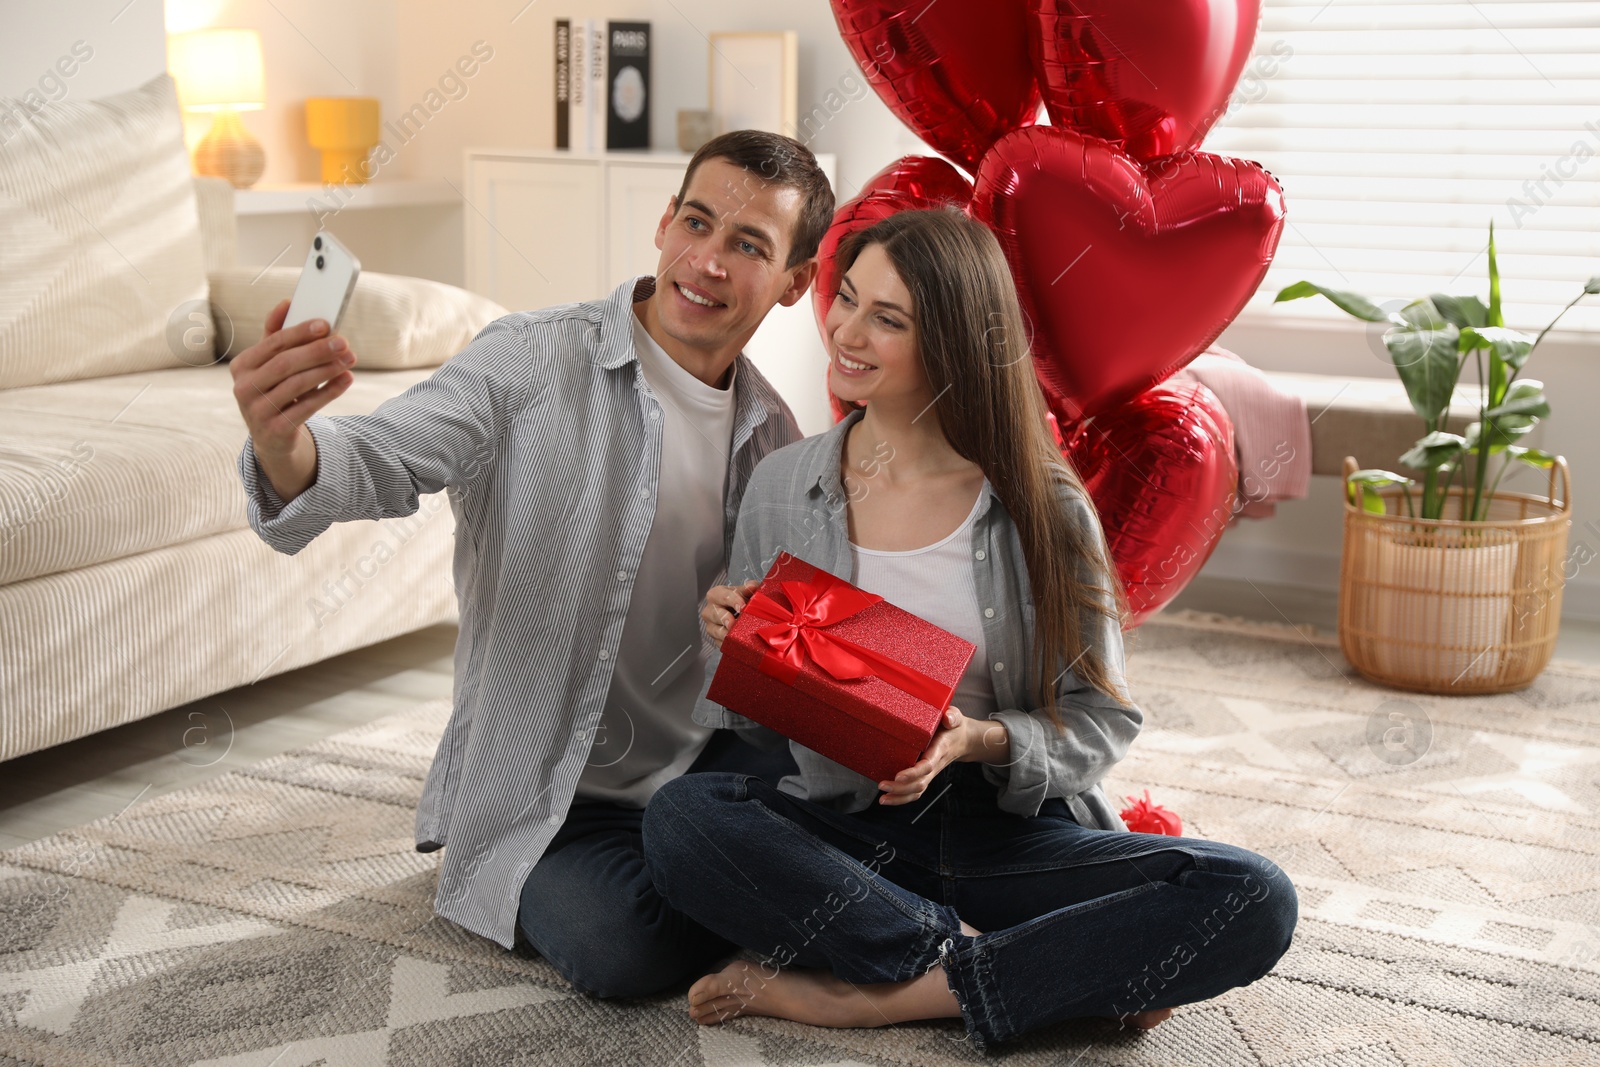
(1397, 130)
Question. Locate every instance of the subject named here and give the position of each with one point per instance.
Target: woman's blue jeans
(1075, 921)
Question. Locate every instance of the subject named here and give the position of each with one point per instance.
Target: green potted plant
(1454, 588)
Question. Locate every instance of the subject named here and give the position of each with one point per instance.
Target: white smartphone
(326, 282)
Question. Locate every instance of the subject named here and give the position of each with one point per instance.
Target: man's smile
(698, 297)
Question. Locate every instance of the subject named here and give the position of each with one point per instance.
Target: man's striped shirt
(547, 439)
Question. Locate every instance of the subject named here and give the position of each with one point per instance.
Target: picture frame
(753, 80)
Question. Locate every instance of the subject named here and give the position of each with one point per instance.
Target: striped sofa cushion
(97, 470)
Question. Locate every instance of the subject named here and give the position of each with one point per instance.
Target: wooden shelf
(628, 155)
(291, 197)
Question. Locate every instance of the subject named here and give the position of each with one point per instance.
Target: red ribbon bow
(802, 634)
(1147, 818)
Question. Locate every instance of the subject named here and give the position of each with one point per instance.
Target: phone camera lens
(317, 244)
(319, 262)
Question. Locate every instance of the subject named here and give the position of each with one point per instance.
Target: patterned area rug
(1445, 852)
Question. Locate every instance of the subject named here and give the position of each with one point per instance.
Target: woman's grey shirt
(796, 503)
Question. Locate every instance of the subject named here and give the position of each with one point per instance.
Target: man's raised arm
(304, 471)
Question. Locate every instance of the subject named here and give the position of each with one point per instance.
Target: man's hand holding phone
(295, 370)
(281, 381)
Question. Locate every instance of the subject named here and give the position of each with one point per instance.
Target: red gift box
(840, 670)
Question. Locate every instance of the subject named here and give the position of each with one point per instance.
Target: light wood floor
(101, 775)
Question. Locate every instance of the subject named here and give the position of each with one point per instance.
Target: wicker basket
(1453, 607)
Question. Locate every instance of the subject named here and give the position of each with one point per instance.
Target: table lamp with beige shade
(220, 71)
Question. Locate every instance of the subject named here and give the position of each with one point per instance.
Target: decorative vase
(695, 128)
(344, 129)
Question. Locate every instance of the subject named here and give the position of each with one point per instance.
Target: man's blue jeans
(589, 906)
(1075, 921)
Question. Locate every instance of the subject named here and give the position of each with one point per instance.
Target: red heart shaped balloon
(955, 71)
(1126, 270)
(1153, 77)
(926, 179)
(907, 184)
(1162, 475)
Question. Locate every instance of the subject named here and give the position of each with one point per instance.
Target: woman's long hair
(975, 353)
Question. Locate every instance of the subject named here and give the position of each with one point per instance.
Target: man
(595, 455)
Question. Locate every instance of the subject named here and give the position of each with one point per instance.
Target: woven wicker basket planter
(1453, 607)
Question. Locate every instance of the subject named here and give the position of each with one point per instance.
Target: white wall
(128, 42)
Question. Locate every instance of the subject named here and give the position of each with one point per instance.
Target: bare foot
(1147, 1020)
(804, 995)
(820, 998)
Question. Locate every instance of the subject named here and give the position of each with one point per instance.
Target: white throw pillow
(393, 322)
(102, 270)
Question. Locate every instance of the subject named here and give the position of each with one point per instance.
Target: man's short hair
(780, 160)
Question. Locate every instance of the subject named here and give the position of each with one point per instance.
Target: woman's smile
(851, 368)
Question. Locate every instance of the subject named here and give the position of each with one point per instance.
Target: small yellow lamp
(345, 130)
(220, 71)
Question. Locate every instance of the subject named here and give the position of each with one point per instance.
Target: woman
(992, 880)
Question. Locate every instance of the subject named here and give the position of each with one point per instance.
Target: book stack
(602, 71)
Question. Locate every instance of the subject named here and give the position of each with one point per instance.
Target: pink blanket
(1271, 434)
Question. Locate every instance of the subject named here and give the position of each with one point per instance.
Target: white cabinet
(637, 195)
(549, 227)
(532, 233)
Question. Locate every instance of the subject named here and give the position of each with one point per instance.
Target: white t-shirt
(935, 582)
(646, 737)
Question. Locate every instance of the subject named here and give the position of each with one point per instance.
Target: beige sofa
(130, 581)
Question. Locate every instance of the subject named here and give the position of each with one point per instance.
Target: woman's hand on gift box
(723, 604)
(958, 739)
